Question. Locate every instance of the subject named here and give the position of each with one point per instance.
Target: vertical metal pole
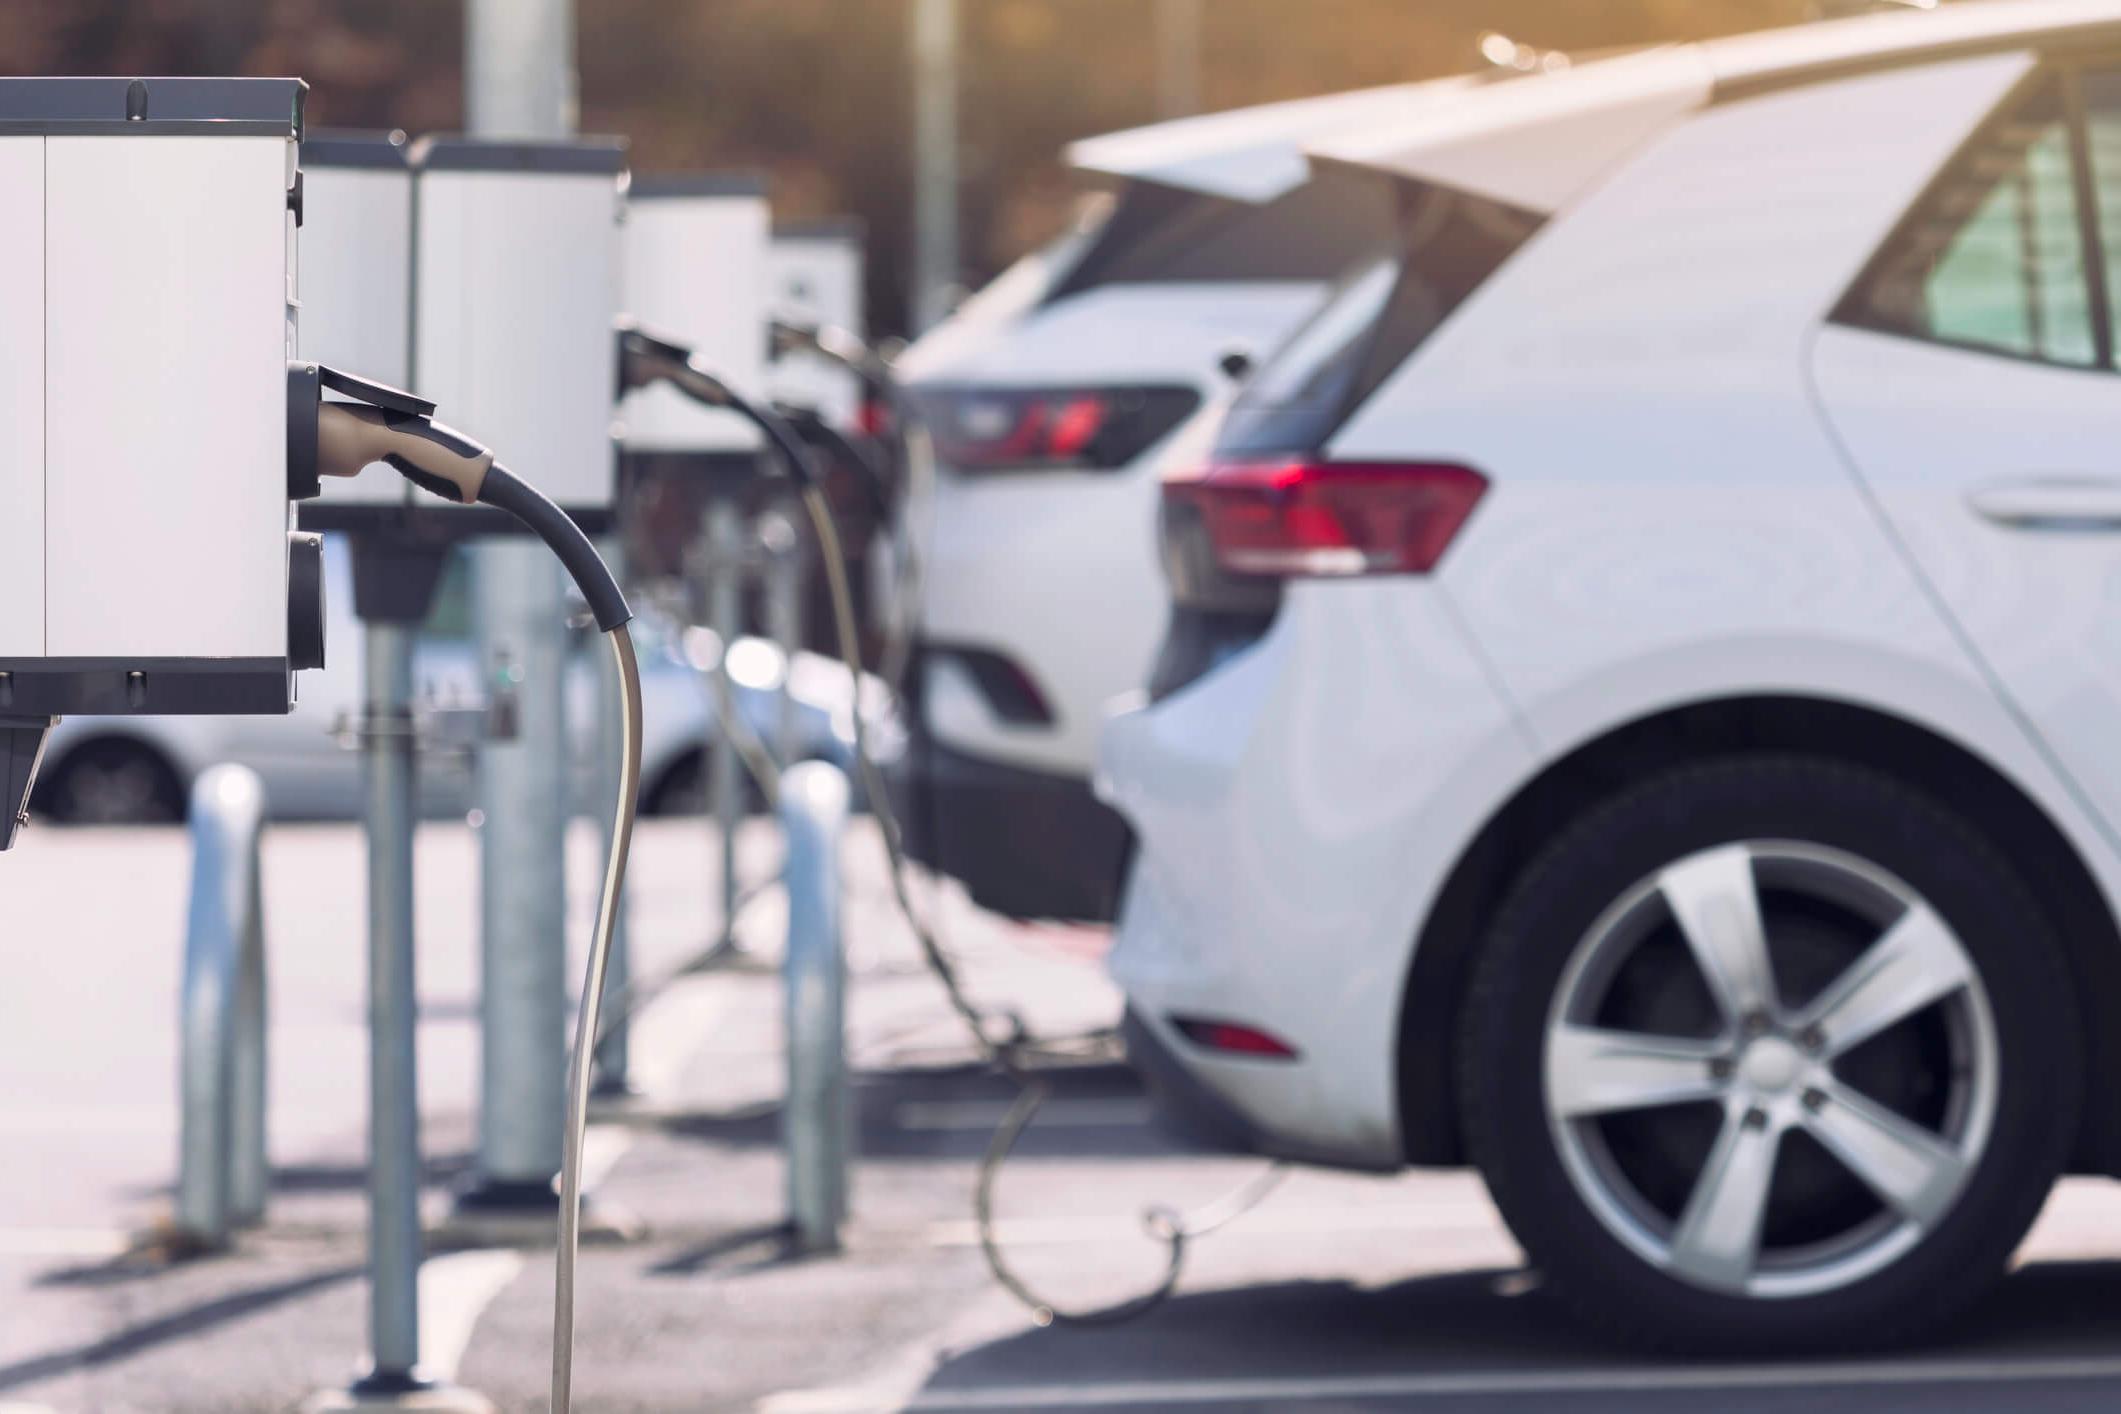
(725, 615)
(784, 620)
(523, 894)
(393, 1101)
(519, 81)
(613, 1057)
(519, 71)
(1178, 24)
(935, 257)
(817, 1124)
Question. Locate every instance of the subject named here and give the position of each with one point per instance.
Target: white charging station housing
(147, 284)
(695, 258)
(357, 293)
(515, 293)
(815, 271)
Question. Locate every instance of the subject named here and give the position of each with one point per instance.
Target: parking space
(1337, 1292)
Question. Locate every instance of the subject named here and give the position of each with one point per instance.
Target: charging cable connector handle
(443, 461)
(647, 358)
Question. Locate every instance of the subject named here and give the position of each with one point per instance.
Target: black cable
(1006, 1053)
(503, 490)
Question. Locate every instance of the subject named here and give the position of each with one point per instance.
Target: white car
(1640, 712)
(108, 770)
(1048, 396)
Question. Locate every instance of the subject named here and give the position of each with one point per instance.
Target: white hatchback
(1640, 710)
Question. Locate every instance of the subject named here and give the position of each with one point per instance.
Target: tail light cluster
(1236, 528)
(1050, 429)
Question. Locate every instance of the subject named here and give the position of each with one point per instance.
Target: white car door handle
(2077, 503)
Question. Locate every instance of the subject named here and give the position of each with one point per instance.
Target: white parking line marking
(986, 1114)
(1643, 1380)
(454, 1292)
(1472, 1221)
(82, 1242)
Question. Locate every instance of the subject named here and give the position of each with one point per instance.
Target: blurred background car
(1637, 716)
(138, 770)
(1047, 398)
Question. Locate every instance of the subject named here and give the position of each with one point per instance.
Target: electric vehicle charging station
(516, 285)
(697, 265)
(406, 278)
(154, 218)
(815, 270)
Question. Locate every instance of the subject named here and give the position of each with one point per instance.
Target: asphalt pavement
(1337, 1292)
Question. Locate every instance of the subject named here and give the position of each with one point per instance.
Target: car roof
(1252, 154)
(1537, 143)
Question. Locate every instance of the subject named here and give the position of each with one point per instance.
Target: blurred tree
(813, 92)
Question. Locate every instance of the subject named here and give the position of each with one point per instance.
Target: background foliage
(815, 92)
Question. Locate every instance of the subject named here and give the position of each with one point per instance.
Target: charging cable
(1001, 1040)
(350, 436)
(912, 455)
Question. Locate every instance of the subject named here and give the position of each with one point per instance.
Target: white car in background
(138, 770)
(1640, 712)
(1048, 396)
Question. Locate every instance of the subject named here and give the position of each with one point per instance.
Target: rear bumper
(1184, 1108)
(1024, 843)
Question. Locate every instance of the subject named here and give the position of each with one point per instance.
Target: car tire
(1588, 953)
(113, 782)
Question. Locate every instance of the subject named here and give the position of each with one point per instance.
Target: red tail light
(1288, 519)
(873, 418)
(1233, 1037)
(981, 429)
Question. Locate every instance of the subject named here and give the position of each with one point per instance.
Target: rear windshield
(1160, 234)
(1380, 311)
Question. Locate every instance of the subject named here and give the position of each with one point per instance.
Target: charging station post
(513, 334)
(696, 252)
(357, 303)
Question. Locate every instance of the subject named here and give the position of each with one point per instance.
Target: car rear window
(1380, 311)
(1160, 234)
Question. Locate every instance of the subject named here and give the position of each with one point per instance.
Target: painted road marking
(1636, 1380)
(1444, 1216)
(76, 1242)
(455, 1291)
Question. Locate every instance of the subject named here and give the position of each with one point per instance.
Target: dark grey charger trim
(355, 147)
(465, 154)
(105, 687)
(231, 107)
(433, 522)
(675, 184)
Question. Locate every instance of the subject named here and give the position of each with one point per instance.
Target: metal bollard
(221, 1169)
(817, 1123)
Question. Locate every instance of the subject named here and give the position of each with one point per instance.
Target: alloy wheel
(1770, 1068)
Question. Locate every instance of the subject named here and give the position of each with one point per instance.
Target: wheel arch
(115, 733)
(2014, 821)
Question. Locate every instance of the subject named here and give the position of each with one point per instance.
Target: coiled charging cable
(351, 436)
(1005, 1046)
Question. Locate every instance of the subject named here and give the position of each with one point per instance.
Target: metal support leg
(725, 614)
(523, 894)
(393, 1101)
(817, 1125)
